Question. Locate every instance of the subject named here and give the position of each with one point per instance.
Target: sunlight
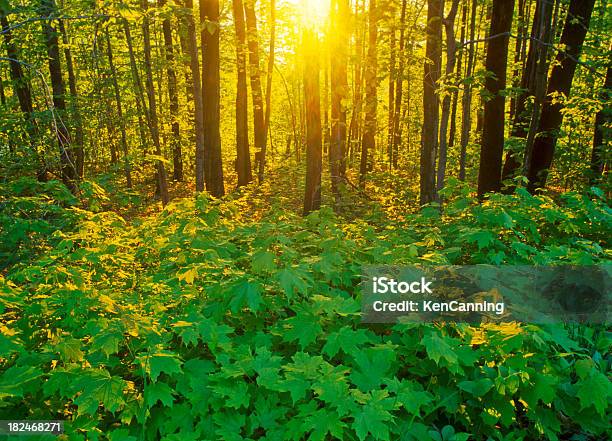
(315, 12)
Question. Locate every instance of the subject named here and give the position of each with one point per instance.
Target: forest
(190, 191)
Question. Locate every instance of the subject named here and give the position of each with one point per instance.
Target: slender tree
(466, 98)
(211, 89)
(339, 93)
(68, 165)
(559, 83)
(492, 147)
(255, 76)
(314, 160)
(399, 88)
(431, 75)
(269, 83)
(118, 103)
(600, 156)
(162, 180)
(451, 59)
(72, 86)
(196, 92)
(243, 157)
(177, 156)
(368, 140)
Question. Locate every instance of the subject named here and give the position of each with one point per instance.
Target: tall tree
(162, 180)
(600, 156)
(399, 88)
(559, 83)
(451, 59)
(243, 157)
(368, 140)
(196, 92)
(269, 83)
(431, 75)
(492, 146)
(72, 86)
(312, 104)
(466, 98)
(339, 93)
(255, 75)
(177, 156)
(211, 90)
(118, 103)
(68, 166)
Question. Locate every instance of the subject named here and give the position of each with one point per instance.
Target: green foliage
(196, 324)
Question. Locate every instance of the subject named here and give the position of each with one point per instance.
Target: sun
(314, 12)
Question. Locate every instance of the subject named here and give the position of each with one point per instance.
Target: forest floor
(239, 319)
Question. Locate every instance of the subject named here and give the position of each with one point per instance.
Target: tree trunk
(211, 89)
(243, 157)
(141, 107)
(69, 170)
(466, 98)
(177, 156)
(78, 129)
(339, 94)
(451, 58)
(196, 92)
(560, 82)
(458, 78)
(368, 140)
(255, 75)
(492, 147)
(429, 134)
(124, 144)
(162, 181)
(391, 92)
(314, 160)
(269, 86)
(399, 88)
(354, 129)
(601, 132)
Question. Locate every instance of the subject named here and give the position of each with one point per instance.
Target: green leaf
(324, 422)
(347, 339)
(374, 416)
(263, 262)
(542, 388)
(594, 391)
(98, 387)
(304, 328)
(245, 293)
(478, 387)
(70, 349)
(438, 348)
(291, 282)
(159, 392)
(161, 362)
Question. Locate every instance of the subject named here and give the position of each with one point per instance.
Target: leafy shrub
(200, 325)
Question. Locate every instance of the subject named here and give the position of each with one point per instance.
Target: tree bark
(196, 92)
(243, 157)
(600, 156)
(72, 86)
(211, 89)
(69, 172)
(560, 82)
(162, 180)
(431, 75)
(451, 58)
(368, 140)
(339, 94)
(255, 76)
(267, 134)
(399, 88)
(177, 156)
(492, 146)
(466, 98)
(124, 144)
(314, 160)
